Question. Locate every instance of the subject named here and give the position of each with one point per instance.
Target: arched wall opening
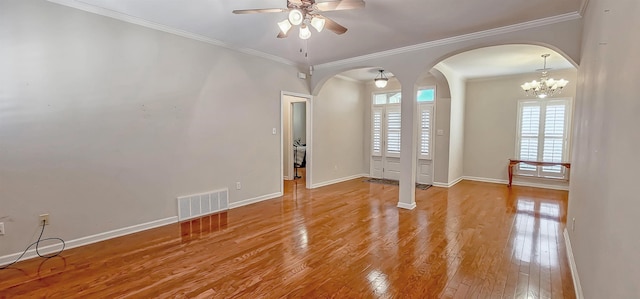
(408, 64)
(480, 119)
(342, 106)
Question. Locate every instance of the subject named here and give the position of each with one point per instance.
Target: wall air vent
(197, 205)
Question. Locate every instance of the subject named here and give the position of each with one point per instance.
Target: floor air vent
(193, 206)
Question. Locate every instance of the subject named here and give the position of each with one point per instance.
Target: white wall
(602, 196)
(338, 116)
(491, 123)
(457, 86)
(299, 122)
(104, 123)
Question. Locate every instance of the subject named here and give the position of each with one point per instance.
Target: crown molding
(456, 39)
(145, 23)
(583, 7)
(345, 78)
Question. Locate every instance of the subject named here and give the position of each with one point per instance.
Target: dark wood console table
(513, 162)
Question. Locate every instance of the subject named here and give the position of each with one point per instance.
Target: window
(543, 136)
(425, 98)
(393, 120)
(376, 131)
(424, 130)
(386, 123)
(426, 95)
(387, 98)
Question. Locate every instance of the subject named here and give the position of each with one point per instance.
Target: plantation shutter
(424, 135)
(393, 123)
(376, 132)
(529, 134)
(542, 136)
(554, 137)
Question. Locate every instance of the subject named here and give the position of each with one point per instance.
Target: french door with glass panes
(386, 134)
(385, 151)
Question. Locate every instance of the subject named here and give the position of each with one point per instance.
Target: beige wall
(338, 126)
(104, 123)
(457, 87)
(300, 122)
(491, 122)
(602, 196)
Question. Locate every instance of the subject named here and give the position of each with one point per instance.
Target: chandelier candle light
(546, 87)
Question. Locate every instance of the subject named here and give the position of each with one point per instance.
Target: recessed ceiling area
(504, 60)
(492, 61)
(381, 25)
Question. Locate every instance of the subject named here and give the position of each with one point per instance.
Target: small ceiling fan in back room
(307, 13)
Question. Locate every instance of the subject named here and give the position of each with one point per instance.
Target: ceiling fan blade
(282, 35)
(262, 10)
(340, 5)
(333, 26)
(296, 2)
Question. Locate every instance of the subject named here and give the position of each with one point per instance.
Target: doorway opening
(296, 140)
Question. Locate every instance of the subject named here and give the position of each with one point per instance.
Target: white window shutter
(529, 134)
(393, 128)
(554, 135)
(425, 128)
(542, 136)
(376, 131)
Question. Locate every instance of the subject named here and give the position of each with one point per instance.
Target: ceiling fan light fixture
(285, 26)
(305, 33)
(318, 23)
(381, 80)
(296, 17)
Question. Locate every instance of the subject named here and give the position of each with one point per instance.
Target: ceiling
(381, 25)
(488, 62)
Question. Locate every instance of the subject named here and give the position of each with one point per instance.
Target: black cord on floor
(37, 243)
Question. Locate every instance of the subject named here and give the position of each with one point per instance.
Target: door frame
(383, 143)
(307, 99)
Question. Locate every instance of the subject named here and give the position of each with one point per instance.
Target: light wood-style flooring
(348, 240)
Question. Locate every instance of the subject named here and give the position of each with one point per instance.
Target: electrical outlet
(238, 186)
(1, 228)
(45, 218)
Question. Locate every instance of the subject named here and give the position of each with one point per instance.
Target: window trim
(539, 172)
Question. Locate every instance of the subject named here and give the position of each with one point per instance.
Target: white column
(408, 147)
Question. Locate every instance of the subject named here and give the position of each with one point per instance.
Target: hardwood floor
(348, 240)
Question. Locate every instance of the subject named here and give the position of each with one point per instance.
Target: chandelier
(381, 80)
(546, 87)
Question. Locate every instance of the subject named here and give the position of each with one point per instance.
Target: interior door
(424, 168)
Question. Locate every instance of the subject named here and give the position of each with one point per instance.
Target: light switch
(274, 131)
(440, 132)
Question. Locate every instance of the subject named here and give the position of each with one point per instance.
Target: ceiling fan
(306, 13)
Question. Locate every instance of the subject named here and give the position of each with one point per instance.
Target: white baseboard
(572, 265)
(447, 185)
(7, 259)
(249, 201)
(340, 180)
(406, 206)
(89, 239)
(485, 180)
(516, 183)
